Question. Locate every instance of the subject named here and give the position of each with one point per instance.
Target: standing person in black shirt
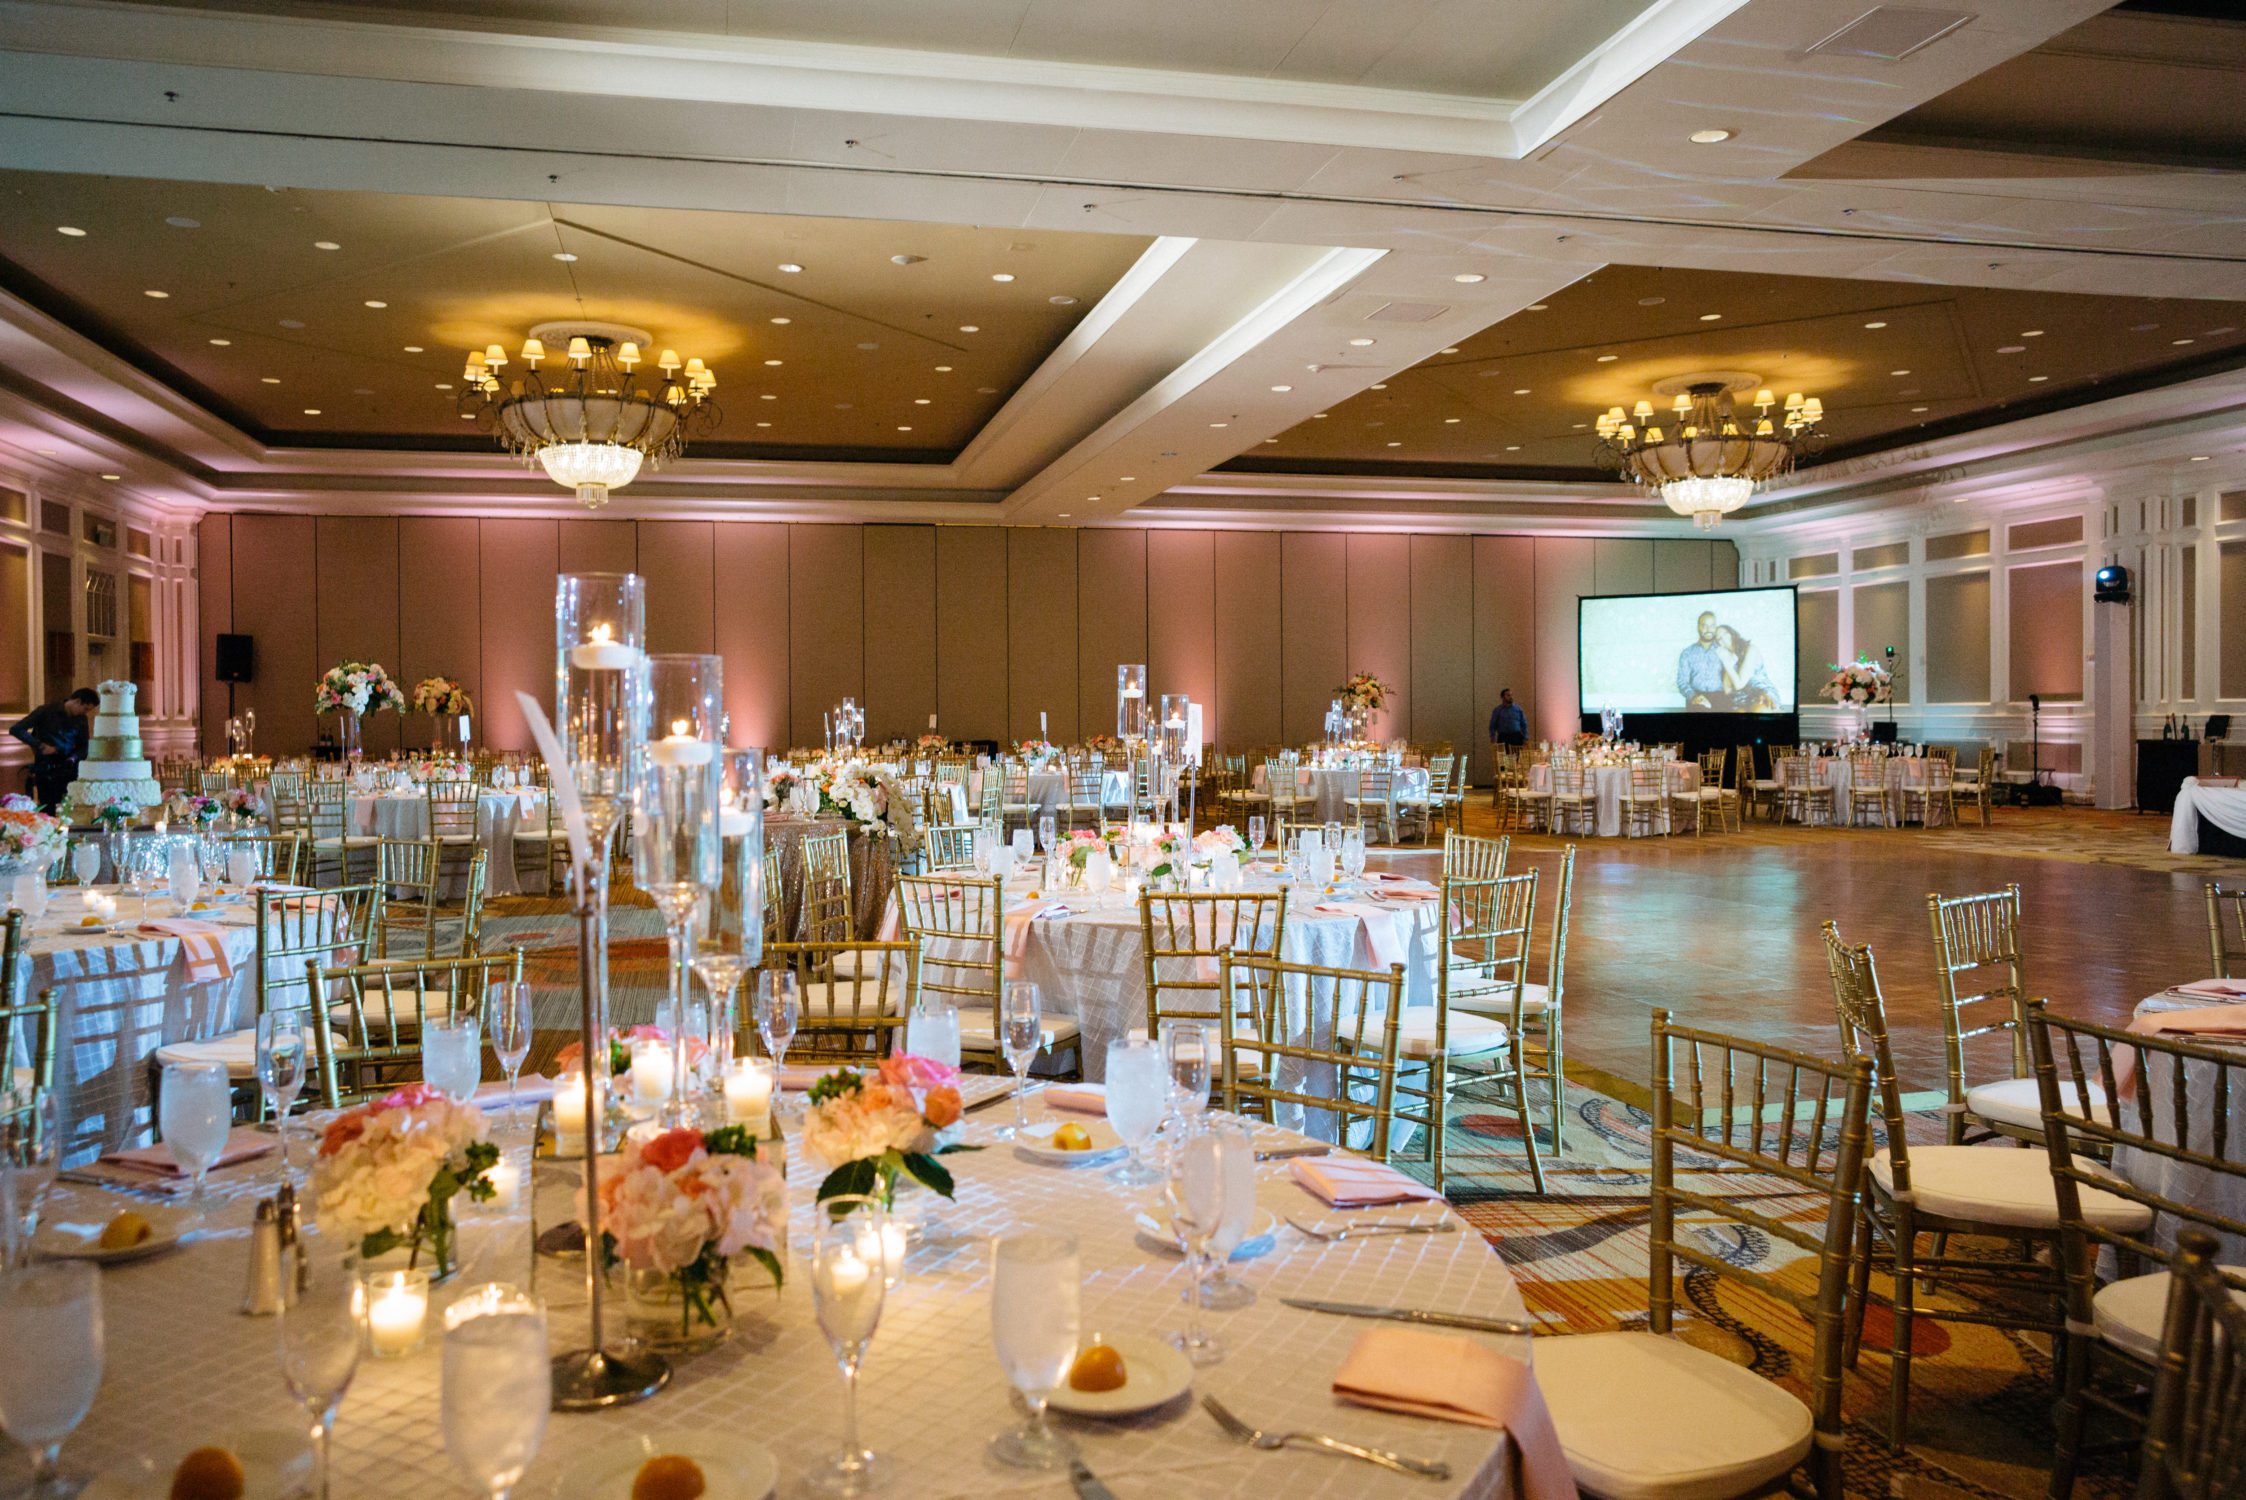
(56, 734)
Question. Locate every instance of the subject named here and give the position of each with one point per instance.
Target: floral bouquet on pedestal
(1859, 684)
(387, 1173)
(1036, 751)
(676, 1209)
(29, 838)
(868, 1131)
(1363, 692)
(356, 687)
(1103, 743)
(931, 744)
(199, 810)
(441, 695)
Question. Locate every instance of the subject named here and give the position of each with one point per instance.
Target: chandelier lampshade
(1710, 459)
(597, 415)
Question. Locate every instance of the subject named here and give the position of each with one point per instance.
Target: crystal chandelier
(593, 419)
(1712, 459)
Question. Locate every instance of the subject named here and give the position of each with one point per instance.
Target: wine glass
(1220, 1292)
(1035, 1321)
(777, 1008)
(30, 1154)
(1332, 839)
(320, 1334)
(498, 1388)
(1185, 1047)
(1138, 1096)
(1196, 1189)
(507, 1016)
(284, 1047)
(145, 861)
(1020, 1033)
(195, 1116)
(1099, 874)
(50, 1323)
(85, 861)
(1353, 853)
(847, 1258)
(1046, 827)
(452, 1057)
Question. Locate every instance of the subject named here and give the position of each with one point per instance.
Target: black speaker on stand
(235, 660)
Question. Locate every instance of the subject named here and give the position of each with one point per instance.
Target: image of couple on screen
(1723, 672)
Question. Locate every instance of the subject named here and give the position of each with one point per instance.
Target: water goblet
(498, 1388)
(1196, 1190)
(777, 1009)
(1046, 828)
(1023, 844)
(1020, 1034)
(320, 1335)
(241, 866)
(1332, 839)
(1099, 874)
(85, 861)
(145, 869)
(1185, 1048)
(284, 1053)
(507, 1018)
(1220, 1292)
(1353, 854)
(51, 1325)
(195, 1116)
(847, 1257)
(1255, 833)
(452, 1057)
(933, 1032)
(1035, 1320)
(1138, 1096)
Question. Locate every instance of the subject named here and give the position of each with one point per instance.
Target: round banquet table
(1609, 783)
(405, 815)
(1329, 788)
(873, 868)
(184, 1366)
(2176, 1180)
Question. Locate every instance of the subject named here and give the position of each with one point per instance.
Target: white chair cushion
(2000, 1185)
(1535, 999)
(1642, 1417)
(827, 1002)
(2130, 1314)
(977, 1034)
(2016, 1101)
(1470, 1035)
(237, 1050)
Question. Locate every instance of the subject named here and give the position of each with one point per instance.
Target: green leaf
(381, 1242)
(929, 1172)
(729, 1140)
(769, 1261)
(851, 1177)
(954, 1148)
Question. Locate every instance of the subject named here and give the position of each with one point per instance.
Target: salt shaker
(288, 1210)
(264, 1296)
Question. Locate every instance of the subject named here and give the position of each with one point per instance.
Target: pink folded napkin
(2202, 1020)
(2214, 989)
(1089, 1098)
(1411, 895)
(1384, 875)
(1017, 922)
(242, 1144)
(1350, 1182)
(199, 945)
(1453, 1379)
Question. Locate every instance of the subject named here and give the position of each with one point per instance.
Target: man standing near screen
(1700, 671)
(1508, 725)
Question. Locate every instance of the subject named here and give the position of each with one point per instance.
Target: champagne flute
(498, 1388)
(1020, 1033)
(1035, 1320)
(195, 1115)
(507, 1018)
(1138, 1096)
(1046, 826)
(1220, 1292)
(145, 858)
(284, 1045)
(1196, 1189)
(319, 1335)
(1185, 1047)
(1255, 833)
(50, 1323)
(847, 1281)
(777, 1008)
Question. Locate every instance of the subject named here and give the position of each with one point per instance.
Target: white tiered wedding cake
(114, 768)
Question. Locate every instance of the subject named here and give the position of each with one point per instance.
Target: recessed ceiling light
(72, 230)
(413, 348)
(270, 379)
(1127, 479)
(1091, 499)
(1470, 277)
(1360, 343)
(1608, 359)
(2218, 332)
(1395, 445)
(2172, 341)
(2013, 349)
(895, 260)
(222, 343)
(443, 386)
(1448, 421)
(943, 369)
(1898, 372)
(1064, 515)
(783, 321)
(112, 477)
(768, 396)
(1002, 276)
(311, 411)
(1282, 387)
(790, 267)
(869, 346)
(1536, 307)
(771, 361)
(920, 400)
(1062, 301)
(969, 328)
(2037, 379)
(325, 245)
(1512, 447)
(1523, 391)
(48, 451)
(1317, 416)
(1918, 408)
(1710, 137)
(1651, 301)
(1875, 325)
(184, 223)
(292, 322)
(2031, 333)
(1220, 424)
(904, 429)
(2199, 458)
(1710, 317)
(1381, 387)
(1453, 349)
(372, 303)
(764, 424)
(160, 296)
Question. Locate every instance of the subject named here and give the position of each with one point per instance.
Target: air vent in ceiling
(1407, 312)
(1892, 32)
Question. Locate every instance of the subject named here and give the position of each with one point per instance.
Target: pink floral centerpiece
(29, 838)
(931, 744)
(1036, 751)
(676, 1208)
(868, 1130)
(441, 695)
(387, 1172)
(1858, 684)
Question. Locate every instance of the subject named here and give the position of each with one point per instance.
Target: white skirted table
(2175, 1180)
(2220, 800)
(405, 815)
(1326, 790)
(1609, 783)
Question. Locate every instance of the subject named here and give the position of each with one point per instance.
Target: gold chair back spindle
(2226, 941)
(1182, 935)
(2193, 1448)
(1474, 858)
(376, 1013)
(854, 998)
(827, 915)
(1971, 934)
(1355, 1009)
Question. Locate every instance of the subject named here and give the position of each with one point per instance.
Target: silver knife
(1283, 1153)
(1088, 1486)
(1411, 1315)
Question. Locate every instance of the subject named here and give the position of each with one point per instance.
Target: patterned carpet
(1980, 1408)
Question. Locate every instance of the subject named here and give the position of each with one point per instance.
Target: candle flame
(600, 636)
(680, 727)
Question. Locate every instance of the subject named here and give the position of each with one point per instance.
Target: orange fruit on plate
(667, 1476)
(208, 1474)
(1072, 1137)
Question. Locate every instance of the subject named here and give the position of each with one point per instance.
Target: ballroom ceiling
(342, 318)
(1892, 363)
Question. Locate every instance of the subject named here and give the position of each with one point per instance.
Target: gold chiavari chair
(406, 869)
(1539, 1039)
(1483, 962)
(1279, 787)
(1574, 806)
(1087, 798)
(1944, 1192)
(1803, 797)
(826, 915)
(377, 1013)
(1522, 807)
(452, 818)
(1474, 858)
(2219, 935)
(1183, 934)
(854, 997)
(1714, 793)
(1354, 1009)
(960, 923)
(1977, 943)
(327, 806)
(1867, 791)
(1433, 805)
(948, 846)
(1643, 799)
(2192, 1447)
(1754, 790)
(2181, 1117)
(172, 775)
(1015, 810)
(33, 1032)
(1927, 800)
(1698, 1424)
(541, 845)
(775, 897)
(1375, 802)
(11, 954)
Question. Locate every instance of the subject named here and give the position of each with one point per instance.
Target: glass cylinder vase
(600, 709)
(1130, 702)
(676, 841)
(677, 1316)
(347, 732)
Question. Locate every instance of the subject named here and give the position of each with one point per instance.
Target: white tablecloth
(405, 815)
(2174, 1180)
(1048, 791)
(2223, 806)
(184, 1366)
(1610, 783)
(1329, 788)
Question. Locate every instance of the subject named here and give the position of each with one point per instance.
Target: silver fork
(1382, 1226)
(1254, 1438)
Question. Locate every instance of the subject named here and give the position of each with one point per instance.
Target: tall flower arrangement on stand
(1861, 683)
(357, 687)
(1364, 691)
(441, 695)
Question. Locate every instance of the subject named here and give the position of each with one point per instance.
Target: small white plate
(1040, 1148)
(1156, 1234)
(57, 1243)
(1153, 1373)
(98, 929)
(734, 1467)
(275, 1463)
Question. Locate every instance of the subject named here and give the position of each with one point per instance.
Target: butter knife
(1088, 1486)
(1284, 1153)
(1411, 1315)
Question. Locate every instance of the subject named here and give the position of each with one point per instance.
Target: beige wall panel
(1816, 640)
(276, 602)
(826, 625)
(1442, 627)
(1314, 620)
(971, 632)
(1181, 629)
(900, 630)
(1504, 634)
(1041, 606)
(1564, 572)
(750, 629)
(1248, 611)
(518, 568)
(357, 562)
(1380, 623)
(603, 546)
(1686, 565)
(2045, 610)
(440, 616)
(1622, 565)
(678, 559)
(1111, 624)
(2230, 662)
(214, 580)
(1957, 638)
(1883, 618)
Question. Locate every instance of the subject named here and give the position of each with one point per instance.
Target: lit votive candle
(506, 1178)
(397, 1307)
(602, 653)
(895, 1240)
(680, 748)
(569, 1112)
(651, 1071)
(748, 1096)
(847, 1273)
